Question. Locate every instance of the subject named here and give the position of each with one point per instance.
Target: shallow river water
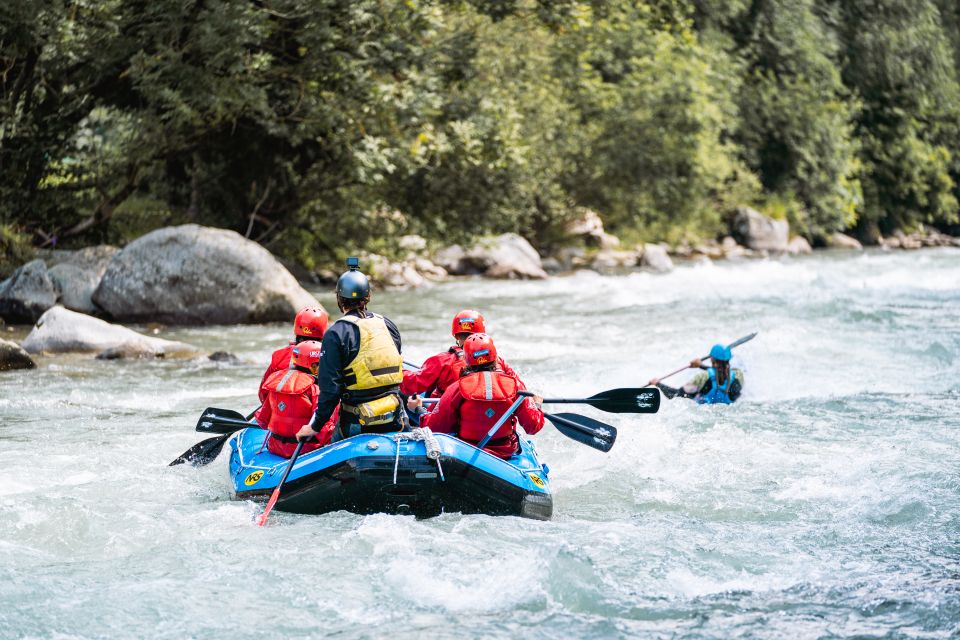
(825, 504)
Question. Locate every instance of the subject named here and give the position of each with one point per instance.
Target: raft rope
(429, 440)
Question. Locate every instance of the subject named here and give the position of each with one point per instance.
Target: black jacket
(341, 344)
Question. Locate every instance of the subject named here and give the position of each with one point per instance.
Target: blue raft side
(247, 459)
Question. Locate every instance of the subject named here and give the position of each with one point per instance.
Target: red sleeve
(265, 411)
(445, 417)
(528, 415)
(506, 368)
(280, 355)
(263, 392)
(415, 382)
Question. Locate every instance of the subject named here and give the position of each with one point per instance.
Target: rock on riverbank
(27, 293)
(12, 356)
(198, 275)
(60, 330)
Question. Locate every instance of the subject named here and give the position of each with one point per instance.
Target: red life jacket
(291, 395)
(486, 397)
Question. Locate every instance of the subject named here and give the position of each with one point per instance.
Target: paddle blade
(593, 433)
(627, 400)
(737, 343)
(204, 452)
(218, 424)
(262, 518)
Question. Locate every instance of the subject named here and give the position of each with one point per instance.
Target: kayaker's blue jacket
(341, 344)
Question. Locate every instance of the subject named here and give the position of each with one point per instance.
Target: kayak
(392, 473)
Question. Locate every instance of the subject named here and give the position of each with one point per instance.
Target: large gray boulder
(758, 232)
(198, 275)
(655, 257)
(451, 259)
(60, 330)
(799, 246)
(12, 356)
(841, 241)
(27, 293)
(588, 226)
(505, 256)
(76, 274)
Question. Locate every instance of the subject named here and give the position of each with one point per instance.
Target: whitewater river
(826, 503)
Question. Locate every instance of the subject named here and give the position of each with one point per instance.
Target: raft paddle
(624, 400)
(222, 421)
(735, 343)
(584, 430)
(262, 518)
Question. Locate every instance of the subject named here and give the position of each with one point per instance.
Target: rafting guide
(360, 366)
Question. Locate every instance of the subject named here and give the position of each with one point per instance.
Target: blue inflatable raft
(384, 473)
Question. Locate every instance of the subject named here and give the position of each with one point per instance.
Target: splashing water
(825, 503)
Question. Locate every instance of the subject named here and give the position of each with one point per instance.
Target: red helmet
(468, 321)
(479, 349)
(311, 322)
(306, 354)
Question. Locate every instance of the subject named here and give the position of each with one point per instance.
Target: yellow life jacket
(378, 363)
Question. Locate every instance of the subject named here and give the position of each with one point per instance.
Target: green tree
(898, 60)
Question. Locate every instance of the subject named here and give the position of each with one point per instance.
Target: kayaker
(718, 384)
(361, 367)
(472, 406)
(309, 324)
(291, 399)
(440, 371)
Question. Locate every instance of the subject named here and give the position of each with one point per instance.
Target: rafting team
(337, 381)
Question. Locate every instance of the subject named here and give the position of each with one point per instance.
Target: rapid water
(825, 504)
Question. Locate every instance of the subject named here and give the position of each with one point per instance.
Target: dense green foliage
(321, 126)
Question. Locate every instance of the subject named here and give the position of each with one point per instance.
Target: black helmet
(353, 285)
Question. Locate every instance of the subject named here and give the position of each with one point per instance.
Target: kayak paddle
(735, 343)
(262, 518)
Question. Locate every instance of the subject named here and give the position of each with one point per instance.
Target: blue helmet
(720, 352)
(353, 285)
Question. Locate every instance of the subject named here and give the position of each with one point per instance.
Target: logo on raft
(253, 478)
(537, 480)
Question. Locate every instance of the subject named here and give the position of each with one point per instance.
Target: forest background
(320, 127)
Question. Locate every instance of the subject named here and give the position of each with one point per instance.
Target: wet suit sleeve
(736, 387)
(506, 368)
(334, 355)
